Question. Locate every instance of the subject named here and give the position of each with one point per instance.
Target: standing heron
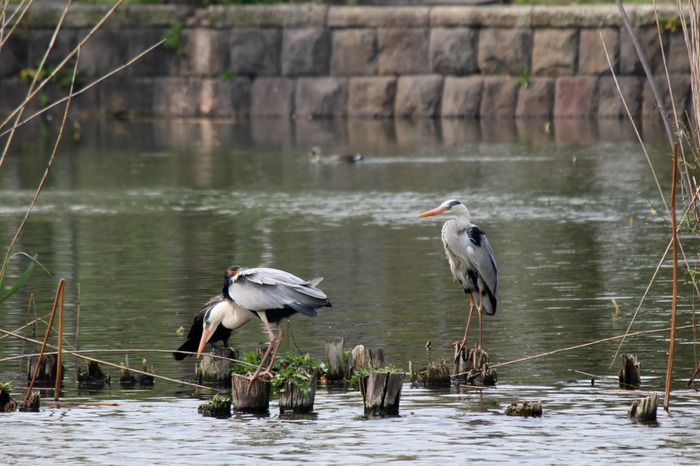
(205, 326)
(271, 295)
(471, 259)
(315, 156)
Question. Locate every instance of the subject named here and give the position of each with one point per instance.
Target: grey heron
(471, 259)
(205, 325)
(315, 156)
(271, 295)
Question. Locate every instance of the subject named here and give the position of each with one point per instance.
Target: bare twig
(674, 296)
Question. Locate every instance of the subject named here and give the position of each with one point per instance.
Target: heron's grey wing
(262, 289)
(482, 258)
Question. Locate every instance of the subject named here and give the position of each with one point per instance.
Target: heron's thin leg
(481, 307)
(280, 337)
(461, 345)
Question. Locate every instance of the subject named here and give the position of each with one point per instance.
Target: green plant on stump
(363, 372)
(296, 370)
(248, 363)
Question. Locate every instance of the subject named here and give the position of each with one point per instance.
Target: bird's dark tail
(190, 345)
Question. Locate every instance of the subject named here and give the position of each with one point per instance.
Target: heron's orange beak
(430, 213)
(203, 341)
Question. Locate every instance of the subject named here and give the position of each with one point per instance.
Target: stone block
(306, 52)
(403, 51)
(681, 98)
(500, 97)
(536, 100)
(649, 41)
(354, 52)
(273, 97)
(453, 51)
(12, 94)
(205, 53)
(104, 52)
(677, 59)
(225, 99)
(554, 52)
(13, 56)
(124, 97)
(38, 42)
(514, 16)
(321, 97)
(419, 96)
(504, 51)
(277, 16)
(176, 97)
(372, 97)
(592, 58)
(159, 62)
(371, 17)
(255, 52)
(461, 97)
(610, 100)
(575, 97)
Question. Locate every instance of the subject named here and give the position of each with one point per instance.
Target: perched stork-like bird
(471, 260)
(271, 295)
(205, 326)
(315, 156)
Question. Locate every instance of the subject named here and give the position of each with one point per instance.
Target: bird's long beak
(203, 341)
(430, 213)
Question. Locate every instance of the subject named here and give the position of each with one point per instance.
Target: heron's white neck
(461, 215)
(233, 316)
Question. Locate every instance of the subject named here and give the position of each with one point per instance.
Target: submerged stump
(91, 376)
(47, 370)
(645, 409)
(525, 409)
(7, 403)
(381, 392)
(219, 407)
(298, 399)
(214, 368)
(250, 397)
(473, 366)
(32, 404)
(629, 373)
(434, 375)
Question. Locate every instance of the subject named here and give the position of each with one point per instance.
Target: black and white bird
(471, 259)
(217, 310)
(316, 157)
(271, 295)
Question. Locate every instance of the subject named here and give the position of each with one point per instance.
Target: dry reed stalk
(674, 296)
(59, 359)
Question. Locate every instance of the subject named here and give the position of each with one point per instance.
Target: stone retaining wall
(320, 61)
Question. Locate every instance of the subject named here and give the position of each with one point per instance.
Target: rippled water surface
(141, 218)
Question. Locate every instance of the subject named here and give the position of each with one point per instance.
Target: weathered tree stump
(146, 380)
(473, 364)
(214, 369)
(434, 375)
(381, 392)
(337, 365)
(32, 404)
(47, 370)
(645, 409)
(376, 358)
(296, 399)
(250, 397)
(357, 359)
(629, 373)
(91, 376)
(219, 407)
(525, 409)
(7, 403)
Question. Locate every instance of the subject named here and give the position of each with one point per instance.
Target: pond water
(141, 218)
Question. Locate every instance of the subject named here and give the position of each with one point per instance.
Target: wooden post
(381, 392)
(250, 398)
(434, 375)
(629, 373)
(7, 403)
(376, 358)
(214, 369)
(294, 399)
(645, 409)
(358, 359)
(32, 403)
(337, 366)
